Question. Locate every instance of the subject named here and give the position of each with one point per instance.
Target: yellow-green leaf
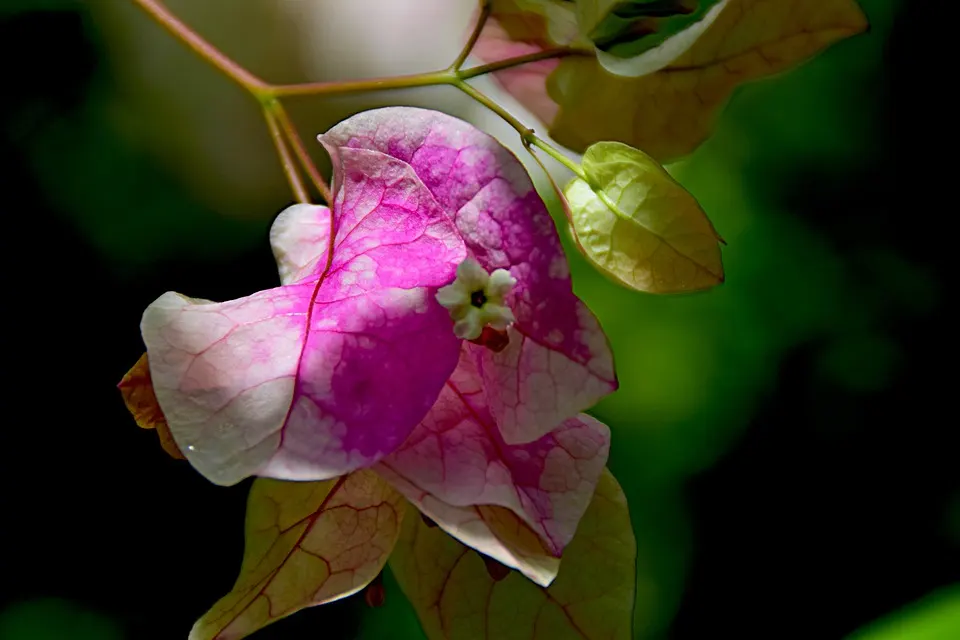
(307, 543)
(637, 224)
(457, 597)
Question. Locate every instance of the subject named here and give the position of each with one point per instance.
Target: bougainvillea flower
(352, 368)
(332, 370)
(664, 100)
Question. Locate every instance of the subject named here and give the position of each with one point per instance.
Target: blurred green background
(783, 440)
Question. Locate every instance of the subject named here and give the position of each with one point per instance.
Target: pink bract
(332, 371)
(558, 362)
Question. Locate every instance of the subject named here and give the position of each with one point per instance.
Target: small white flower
(475, 299)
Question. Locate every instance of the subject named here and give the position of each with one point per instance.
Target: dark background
(811, 489)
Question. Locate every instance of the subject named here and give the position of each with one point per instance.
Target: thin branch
(289, 166)
(201, 47)
(559, 52)
(474, 35)
(284, 132)
(359, 86)
(306, 162)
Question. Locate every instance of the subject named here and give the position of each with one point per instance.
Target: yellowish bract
(638, 225)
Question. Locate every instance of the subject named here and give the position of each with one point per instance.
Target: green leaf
(457, 596)
(935, 617)
(638, 225)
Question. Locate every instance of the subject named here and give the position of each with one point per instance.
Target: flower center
(477, 301)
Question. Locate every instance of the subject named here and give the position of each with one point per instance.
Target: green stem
(527, 135)
(474, 36)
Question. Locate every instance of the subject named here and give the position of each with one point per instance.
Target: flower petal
(315, 379)
(307, 543)
(469, 325)
(453, 295)
(457, 456)
(500, 283)
(497, 316)
(593, 597)
(472, 275)
(559, 362)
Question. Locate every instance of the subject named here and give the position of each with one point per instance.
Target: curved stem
(162, 16)
(474, 35)
(286, 160)
(306, 162)
(526, 133)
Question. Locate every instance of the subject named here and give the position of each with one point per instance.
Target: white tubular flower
(475, 299)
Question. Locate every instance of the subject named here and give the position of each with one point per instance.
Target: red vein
(504, 458)
(309, 320)
(311, 520)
